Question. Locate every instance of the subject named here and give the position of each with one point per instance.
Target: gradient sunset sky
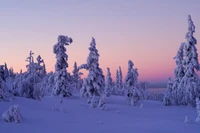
(148, 32)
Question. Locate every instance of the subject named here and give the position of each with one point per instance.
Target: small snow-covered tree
(190, 81)
(121, 91)
(12, 114)
(6, 73)
(116, 87)
(102, 102)
(62, 86)
(94, 84)
(133, 93)
(168, 99)
(144, 90)
(108, 83)
(40, 67)
(198, 110)
(75, 77)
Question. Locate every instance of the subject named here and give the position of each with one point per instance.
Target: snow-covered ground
(78, 117)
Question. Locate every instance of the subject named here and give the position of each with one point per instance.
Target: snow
(75, 116)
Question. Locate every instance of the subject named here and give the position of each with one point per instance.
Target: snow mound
(12, 114)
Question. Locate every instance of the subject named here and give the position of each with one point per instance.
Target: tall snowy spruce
(94, 84)
(190, 81)
(62, 78)
(133, 93)
(108, 83)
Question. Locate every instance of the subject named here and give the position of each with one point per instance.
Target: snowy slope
(78, 117)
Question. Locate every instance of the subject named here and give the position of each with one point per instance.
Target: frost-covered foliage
(133, 93)
(198, 110)
(29, 87)
(62, 77)
(190, 80)
(47, 84)
(177, 91)
(156, 96)
(94, 84)
(116, 87)
(6, 72)
(13, 114)
(168, 99)
(121, 91)
(102, 102)
(4, 93)
(29, 84)
(144, 89)
(108, 83)
(41, 68)
(77, 81)
(186, 81)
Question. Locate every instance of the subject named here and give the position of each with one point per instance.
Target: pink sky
(146, 32)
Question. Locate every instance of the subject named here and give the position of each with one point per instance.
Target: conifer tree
(62, 78)
(94, 84)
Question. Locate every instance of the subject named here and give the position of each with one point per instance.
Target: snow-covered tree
(102, 102)
(75, 77)
(94, 84)
(121, 91)
(190, 81)
(116, 85)
(62, 85)
(133, 93)
(144, 90)
(40, 66)
(6, 73)
(198, 110)
(12, 114)
(108, 83)
(29, 87)
(30, 67)
(177, 91)
(4, 94)
(168, 99)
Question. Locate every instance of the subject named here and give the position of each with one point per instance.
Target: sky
(148, 32)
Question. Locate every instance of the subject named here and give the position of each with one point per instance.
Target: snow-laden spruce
(62, 77)
(133, 92)
(108, 83)
(116, 85)
(186, 81)
(4, 93)
(76, 77)
(198, 110)
(94, 84)
(177, 91)
(190, 82)
(12, 114)
(121, 91)
(168, 99)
